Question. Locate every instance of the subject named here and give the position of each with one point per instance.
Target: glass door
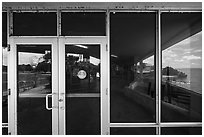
(33, 85)
(83, 85)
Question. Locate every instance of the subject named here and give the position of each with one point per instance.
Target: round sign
(81, 74)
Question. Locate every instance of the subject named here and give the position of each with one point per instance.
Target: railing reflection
(176, 101)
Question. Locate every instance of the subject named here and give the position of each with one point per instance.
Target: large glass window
(181, 67)
(132, 76)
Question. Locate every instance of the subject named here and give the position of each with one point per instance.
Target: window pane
(132, 131)
(83, 24)
(4, 29)
(4, 131)
(35, 24)
(4, 86)
(82, 81)
(181, 67)
(132, 67)
(83, 116)
(82, 68)
(82, 89)
(34, 83)
(182, 131)
(4, 69)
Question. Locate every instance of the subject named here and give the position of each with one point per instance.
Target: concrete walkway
(125, 110)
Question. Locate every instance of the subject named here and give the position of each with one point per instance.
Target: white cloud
(173, 55)
(198, 50)
(185, 54)
(191, 57)
(179, 60)
(188, 52)
(167, 58)
(5, 56)
(168, 53)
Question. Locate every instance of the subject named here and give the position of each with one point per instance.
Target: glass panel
(132, 131)
(4, 29)
(83, 23)
(35, 24)
(4, 86)
(83, 116)
(34, 82)
(132, 67)
(82, 89)
(182, 131)
(82, 68)
(4, 131)
(181, 67)
(4, 69)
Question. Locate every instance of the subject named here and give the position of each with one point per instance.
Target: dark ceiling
(178, 26)
(132, 34)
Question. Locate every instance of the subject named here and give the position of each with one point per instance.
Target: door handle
(47, 103)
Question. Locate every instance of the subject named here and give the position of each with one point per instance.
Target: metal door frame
(102, 40)
(12, 79)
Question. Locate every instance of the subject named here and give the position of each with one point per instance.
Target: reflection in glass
(34, 82)
(132, 67)
(181, 67)
(82, 69)
(132, 131)
(82, 89)
(181, 131)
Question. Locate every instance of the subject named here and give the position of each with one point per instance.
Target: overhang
(102, 5)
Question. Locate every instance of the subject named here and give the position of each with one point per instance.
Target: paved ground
(126, 110)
